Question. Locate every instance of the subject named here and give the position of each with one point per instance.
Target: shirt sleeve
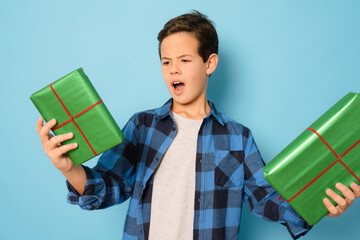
(262, 199)
(111, 181)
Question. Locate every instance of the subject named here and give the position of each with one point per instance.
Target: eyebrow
(181, 56)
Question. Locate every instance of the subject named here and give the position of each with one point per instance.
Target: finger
(57, 140)
(65, 148)
(356, 188)
(342, 203)
(333, 211)
(349, 195)
(39, 124)
(44, 131)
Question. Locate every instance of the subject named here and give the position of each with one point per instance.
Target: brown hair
(198, 24)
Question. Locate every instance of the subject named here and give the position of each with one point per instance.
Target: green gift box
(74, 103)
(327, 152)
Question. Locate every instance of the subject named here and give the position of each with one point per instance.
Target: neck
(197, 109)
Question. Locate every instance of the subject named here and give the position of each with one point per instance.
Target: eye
(185, 60)
(165, 63)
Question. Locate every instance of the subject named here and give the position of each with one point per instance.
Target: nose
(174, 68)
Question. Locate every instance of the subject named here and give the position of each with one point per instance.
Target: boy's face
(183, 69)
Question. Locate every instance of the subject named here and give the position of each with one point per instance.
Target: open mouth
(178, 85)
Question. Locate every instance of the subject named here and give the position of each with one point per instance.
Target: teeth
(176, 82)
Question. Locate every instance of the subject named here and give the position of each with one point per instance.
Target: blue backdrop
(282, 64)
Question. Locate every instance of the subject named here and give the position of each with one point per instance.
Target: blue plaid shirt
(228, 171)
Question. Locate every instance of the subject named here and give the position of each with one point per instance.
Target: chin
(183, 100)
(179, 99)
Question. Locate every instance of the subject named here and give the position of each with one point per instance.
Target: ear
(211, 63)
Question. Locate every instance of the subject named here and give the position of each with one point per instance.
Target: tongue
(179, 87)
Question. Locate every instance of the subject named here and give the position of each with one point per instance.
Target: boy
(185, 166)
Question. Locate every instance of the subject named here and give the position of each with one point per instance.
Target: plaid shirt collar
(165, 110)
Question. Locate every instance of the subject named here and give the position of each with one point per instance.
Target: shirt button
(156, 159)
(92, 206)
(200, 160)
(198, 199)
(174, 128)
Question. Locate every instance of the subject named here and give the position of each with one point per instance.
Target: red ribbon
(72, 118)
(337, 160)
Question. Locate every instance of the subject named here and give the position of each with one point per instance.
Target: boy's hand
(53, 148)
(343, 203)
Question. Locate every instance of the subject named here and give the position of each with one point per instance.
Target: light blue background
(282, 64)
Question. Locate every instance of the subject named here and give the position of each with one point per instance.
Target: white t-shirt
(172, 204)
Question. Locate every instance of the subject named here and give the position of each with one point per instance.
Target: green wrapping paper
(94, 128)
(303, 171)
